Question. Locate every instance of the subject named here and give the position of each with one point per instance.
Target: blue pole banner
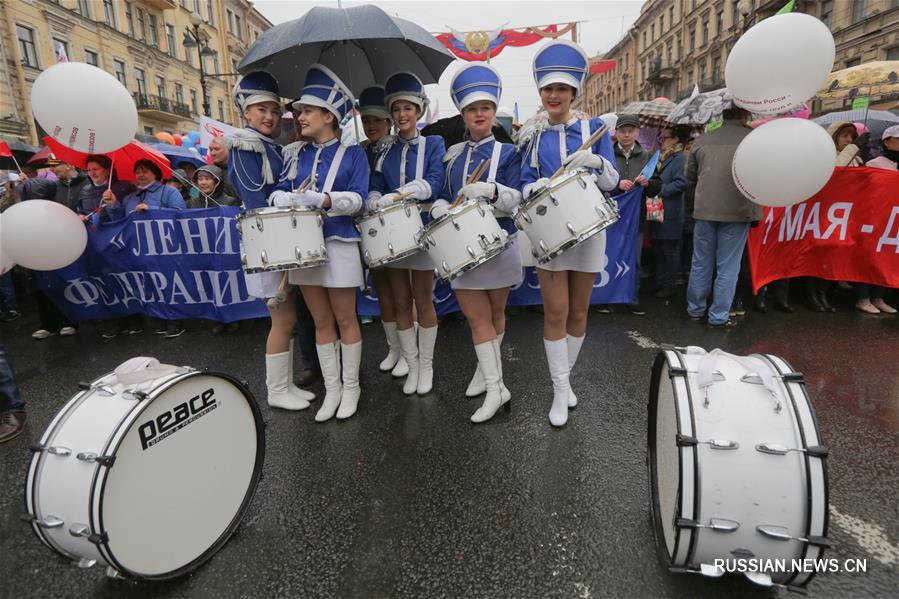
(165, 263)
(615, 284)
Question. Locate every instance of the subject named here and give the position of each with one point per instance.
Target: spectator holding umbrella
(150, 193)
(672, 182)
(98, 169)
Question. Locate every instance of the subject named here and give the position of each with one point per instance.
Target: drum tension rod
(817, 451)
(782, 533)
(83, 530)
(103, 460)
(688, 441)
(716, 524)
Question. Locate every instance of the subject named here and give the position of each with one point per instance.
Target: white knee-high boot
(349, 398)
(301, 393)
(574, 349)
(427, 339)
(477, 386)
(329, 358)
(393, 342)
(493, 400)
(409, 345)
(277, 375)
(503, 390)
(557, 358)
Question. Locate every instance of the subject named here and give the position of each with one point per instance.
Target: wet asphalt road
(408, 499)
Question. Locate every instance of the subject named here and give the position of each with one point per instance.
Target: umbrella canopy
(362, 45)
(876, 78)
(22, 152)
(178, 154)
(877, 121)
(123, 159)
(651, 112)
(703, 108)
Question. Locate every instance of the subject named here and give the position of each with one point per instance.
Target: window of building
(191, 55)
(141, 80)
(179, 93)
(91, 57)
(230, 16)
(854, 62)
(109, 12)
(705, 30)
(154, 29)
(652, 32)
(692, 38)
(120, 74)
(215, 65)
(716, 67)
(210, 13)
(645, 45)
(719, 24)
(160, 86)
(26, 46)
(893, 53)
(197, 8)
(662, 24)
(678, 48)
(141, 24)
(668, 56)
(238, 29)
(671, 17)
(859, 10)
(221, 110)
(827, 12)
(65, 48)
(84, 8)
(194, 105)
(129, 18)
(170, 40)
(148, 130)
(737, 17)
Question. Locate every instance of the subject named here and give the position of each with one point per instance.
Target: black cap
(627, 119)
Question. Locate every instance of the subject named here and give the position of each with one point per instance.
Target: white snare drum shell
(275, 239)
(464, 238)
(390, 234)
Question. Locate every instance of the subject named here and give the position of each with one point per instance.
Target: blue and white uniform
(333, 169)
(473, 83)
(254, 161)
(408, 165)
(547, 147)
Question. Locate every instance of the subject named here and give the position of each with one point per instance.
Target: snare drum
(463, 238)
(276, 239)
(390, 234)
(568, 211)
(148, 479)
(736, 465)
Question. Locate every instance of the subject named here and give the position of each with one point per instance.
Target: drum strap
(142, 369)
(494, 161)
(706, 370)
(421, 146)
(334, 169)
(585, 131)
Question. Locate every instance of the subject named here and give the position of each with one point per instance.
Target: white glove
(479, 190)
(386, 200)
(584, 159)
(311, 199)
(536, 187)
(281, 199)
(439, 208)
(419, 189)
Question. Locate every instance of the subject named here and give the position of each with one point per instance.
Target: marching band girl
(483, 291)
(337, 178)
(376, 124)
(410, 163)
(566, 282)
(254, 162)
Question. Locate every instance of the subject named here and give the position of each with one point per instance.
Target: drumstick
(474, 177)
(403, 196)
(587, 144)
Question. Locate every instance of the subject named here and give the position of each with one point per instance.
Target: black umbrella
(362, 45)
(22, 153)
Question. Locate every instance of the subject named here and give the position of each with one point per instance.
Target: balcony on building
(159, 108)
(162, 4)
(660, 71)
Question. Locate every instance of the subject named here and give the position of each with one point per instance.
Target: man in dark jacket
(33, 186)
(98, 170)
(69, 184)
(722, 218)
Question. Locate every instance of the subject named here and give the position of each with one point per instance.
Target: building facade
(145, 44)
(679, 44)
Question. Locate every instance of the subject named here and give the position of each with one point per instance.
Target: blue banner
(615, 284)
(165, 263)
(174, 265)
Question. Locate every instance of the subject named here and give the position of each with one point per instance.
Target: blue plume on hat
(405, 86)
(255, 88)
(475, 82)
(560, 61)
(325, 89)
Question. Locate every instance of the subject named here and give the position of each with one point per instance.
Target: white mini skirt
(344, 267)
(587, 256)
(503, 271)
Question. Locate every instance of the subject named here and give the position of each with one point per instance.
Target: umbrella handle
(111, 171)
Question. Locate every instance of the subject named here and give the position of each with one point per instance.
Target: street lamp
(196, 37)
(745, 10)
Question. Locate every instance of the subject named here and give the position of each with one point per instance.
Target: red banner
(849, 231)
(481, 45)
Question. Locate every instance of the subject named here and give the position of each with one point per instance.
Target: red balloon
(176, 139)
(661, 99)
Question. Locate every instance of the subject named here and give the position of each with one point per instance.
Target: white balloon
(784, 162)
(42, 235)
(84, 108)
(780, 63)
(6, 263)
(610, 119)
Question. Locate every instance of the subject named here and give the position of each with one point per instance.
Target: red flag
(603, 67)
(5, 152)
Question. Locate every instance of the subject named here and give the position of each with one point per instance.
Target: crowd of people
(694, 222)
